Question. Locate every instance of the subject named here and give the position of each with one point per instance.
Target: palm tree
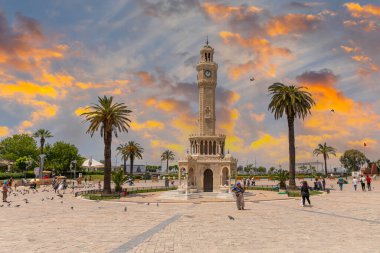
(119, 179)
(295, 103)
(131, 151)
(120, 151)
(111, 118)
(42, 134)
(167, 155)
(325, 151)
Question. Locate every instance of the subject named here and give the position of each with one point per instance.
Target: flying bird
(332, 110)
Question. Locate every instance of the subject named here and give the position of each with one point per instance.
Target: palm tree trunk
(107, 161)
(42, 143)
(125, 165)
(324, 157)
(292, 154)
(167, 166)
(132, 160)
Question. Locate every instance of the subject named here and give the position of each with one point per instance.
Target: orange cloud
(27, 89)
(167, 105)
(258, 117)
(350, 49)
(220, 11)
(81, 110)
(147, 125)
(145, 79)
(356, 10)
(361, 58)
(292, 23)
(263, 50)
(4, 131)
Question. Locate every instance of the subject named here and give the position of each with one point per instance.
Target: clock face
(207, 73)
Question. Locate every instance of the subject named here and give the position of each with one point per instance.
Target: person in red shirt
(369, 179)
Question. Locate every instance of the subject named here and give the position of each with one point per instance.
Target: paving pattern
(339, 221)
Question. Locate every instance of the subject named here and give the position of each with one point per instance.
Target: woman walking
(362, 182)
(305, 193)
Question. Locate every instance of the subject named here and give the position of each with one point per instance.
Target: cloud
(24, 46)
(348, 114)
(147, 125)
(221, 11)
(357, 10)
(4, 131)
(164, 8)
(301, 5)
(258, 117)
(263, 50)
(293, 23)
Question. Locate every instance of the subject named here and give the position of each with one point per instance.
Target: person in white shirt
(362, 182)
(355, 182)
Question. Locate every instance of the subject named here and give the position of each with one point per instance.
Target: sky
(57, 57)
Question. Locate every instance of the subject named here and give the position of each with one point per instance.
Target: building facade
(206, 166)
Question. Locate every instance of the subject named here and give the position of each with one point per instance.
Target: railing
(129, 189)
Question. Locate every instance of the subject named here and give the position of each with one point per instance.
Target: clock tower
(207, 80)
(207, 167)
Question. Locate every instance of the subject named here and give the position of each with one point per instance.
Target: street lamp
(75, 166)
(42, 156)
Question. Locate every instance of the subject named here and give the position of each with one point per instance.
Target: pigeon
(72, 208)
(230, 217)
(26, 201)
(125, 209)
(17, 205)
(1, 205)
(157, 204)
(61, 202)
(9, 204)
(52, 198)
(60, 195)
(332, 110)
(42, 199)
(251, 79)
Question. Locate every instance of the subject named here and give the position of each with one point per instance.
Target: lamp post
(75, 167)
(42, 156)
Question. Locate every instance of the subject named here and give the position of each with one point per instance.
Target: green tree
(119, 150)
(42, 134)
(118, 178)
(18, 145)
(325, 151)
(272, 170)
(352, 159)
(22, 163)
(110, 118)
(248, 168)
(131, 151)
(167, 155)
(294, 102)
(261, 170)
(173, 168)
(60, 155)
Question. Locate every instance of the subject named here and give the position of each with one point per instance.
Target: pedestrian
(99, 185)
(239, 191)
(362, 182)
(355, 183)
(305, 193)
(341, 182)
(368, 179)
(90, 178)
(5, 191)
(85, 180)
(324, 183)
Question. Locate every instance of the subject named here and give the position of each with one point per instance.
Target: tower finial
(207, 41)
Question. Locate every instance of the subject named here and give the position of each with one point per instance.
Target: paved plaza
(339, 221)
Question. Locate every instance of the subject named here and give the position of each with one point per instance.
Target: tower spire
(207, 40)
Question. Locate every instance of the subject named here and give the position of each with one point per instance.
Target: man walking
(362, 182)
(5, 191)
(368, 179)
(239, 190)
(355, 183)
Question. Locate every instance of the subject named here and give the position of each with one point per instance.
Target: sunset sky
(56, 57)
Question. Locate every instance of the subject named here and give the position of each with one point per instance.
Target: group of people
(249, 182)
(58, 185)
(363, 181)
(320, 184)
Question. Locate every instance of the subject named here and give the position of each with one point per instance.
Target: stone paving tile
(340, 221)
